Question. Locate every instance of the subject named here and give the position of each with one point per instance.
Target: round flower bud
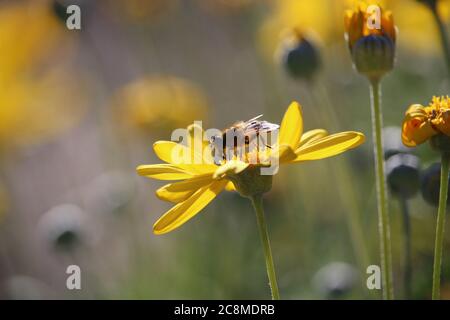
(403, 177)
(335, 279)
(430, 184)
(299, 56)
(63, 226)
(374, 55)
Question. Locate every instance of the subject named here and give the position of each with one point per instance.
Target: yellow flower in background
(421, 123)
(201, 181)
(29, 31)
(317, 19)
(418, 30)
(159, 103)
(38, 99)
(33, 110)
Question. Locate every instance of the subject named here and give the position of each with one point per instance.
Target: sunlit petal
(292, 126)
(184, 211)
(181, 191)
(312, 135)
(164, 172)
(329, 146)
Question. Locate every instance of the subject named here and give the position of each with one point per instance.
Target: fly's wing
(255, 128)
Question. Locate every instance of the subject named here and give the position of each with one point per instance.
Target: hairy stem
(383, 215)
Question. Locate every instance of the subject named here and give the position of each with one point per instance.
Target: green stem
(407, 275)
(444, 37)
(257, 202)
(383, 216)
(440, 226)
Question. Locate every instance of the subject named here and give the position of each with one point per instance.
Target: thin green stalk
(443, 35)
(257, 202)
(383, 215)
(407, 273)
(440, 226)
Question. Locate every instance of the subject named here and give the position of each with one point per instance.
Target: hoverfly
(243, 136)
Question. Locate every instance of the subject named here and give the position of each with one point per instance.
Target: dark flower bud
(430, 184)
(403, 177)
(335, 280)
(63, 226)
(299, 56)
(374, 55)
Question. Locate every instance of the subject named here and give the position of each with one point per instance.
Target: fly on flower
(199, 183)
(244, 140)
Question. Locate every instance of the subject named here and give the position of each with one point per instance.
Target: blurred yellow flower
(33, 110)
(29, 31)
(422, 123)
(316, 19)
(418, 30)
(34, 100)
(161, 102)
(203, 180)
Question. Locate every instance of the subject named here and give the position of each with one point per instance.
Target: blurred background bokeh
(80, 109)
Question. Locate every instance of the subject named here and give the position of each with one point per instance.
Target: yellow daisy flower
(421, 123)
(201, 180)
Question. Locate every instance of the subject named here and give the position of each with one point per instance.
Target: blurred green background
(80, 109)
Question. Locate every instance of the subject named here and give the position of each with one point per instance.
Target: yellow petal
(169, 151)
(163, 172)
(329, 146)
(312, 135)
(292, 126)
(184, 211)
(230, 186)
(180, 191)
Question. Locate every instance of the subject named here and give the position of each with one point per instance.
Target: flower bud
(403, 177)
(299, 56)
(62, 226)
(335, 280)
(430, 184)
(372, 45)
(374, 56)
